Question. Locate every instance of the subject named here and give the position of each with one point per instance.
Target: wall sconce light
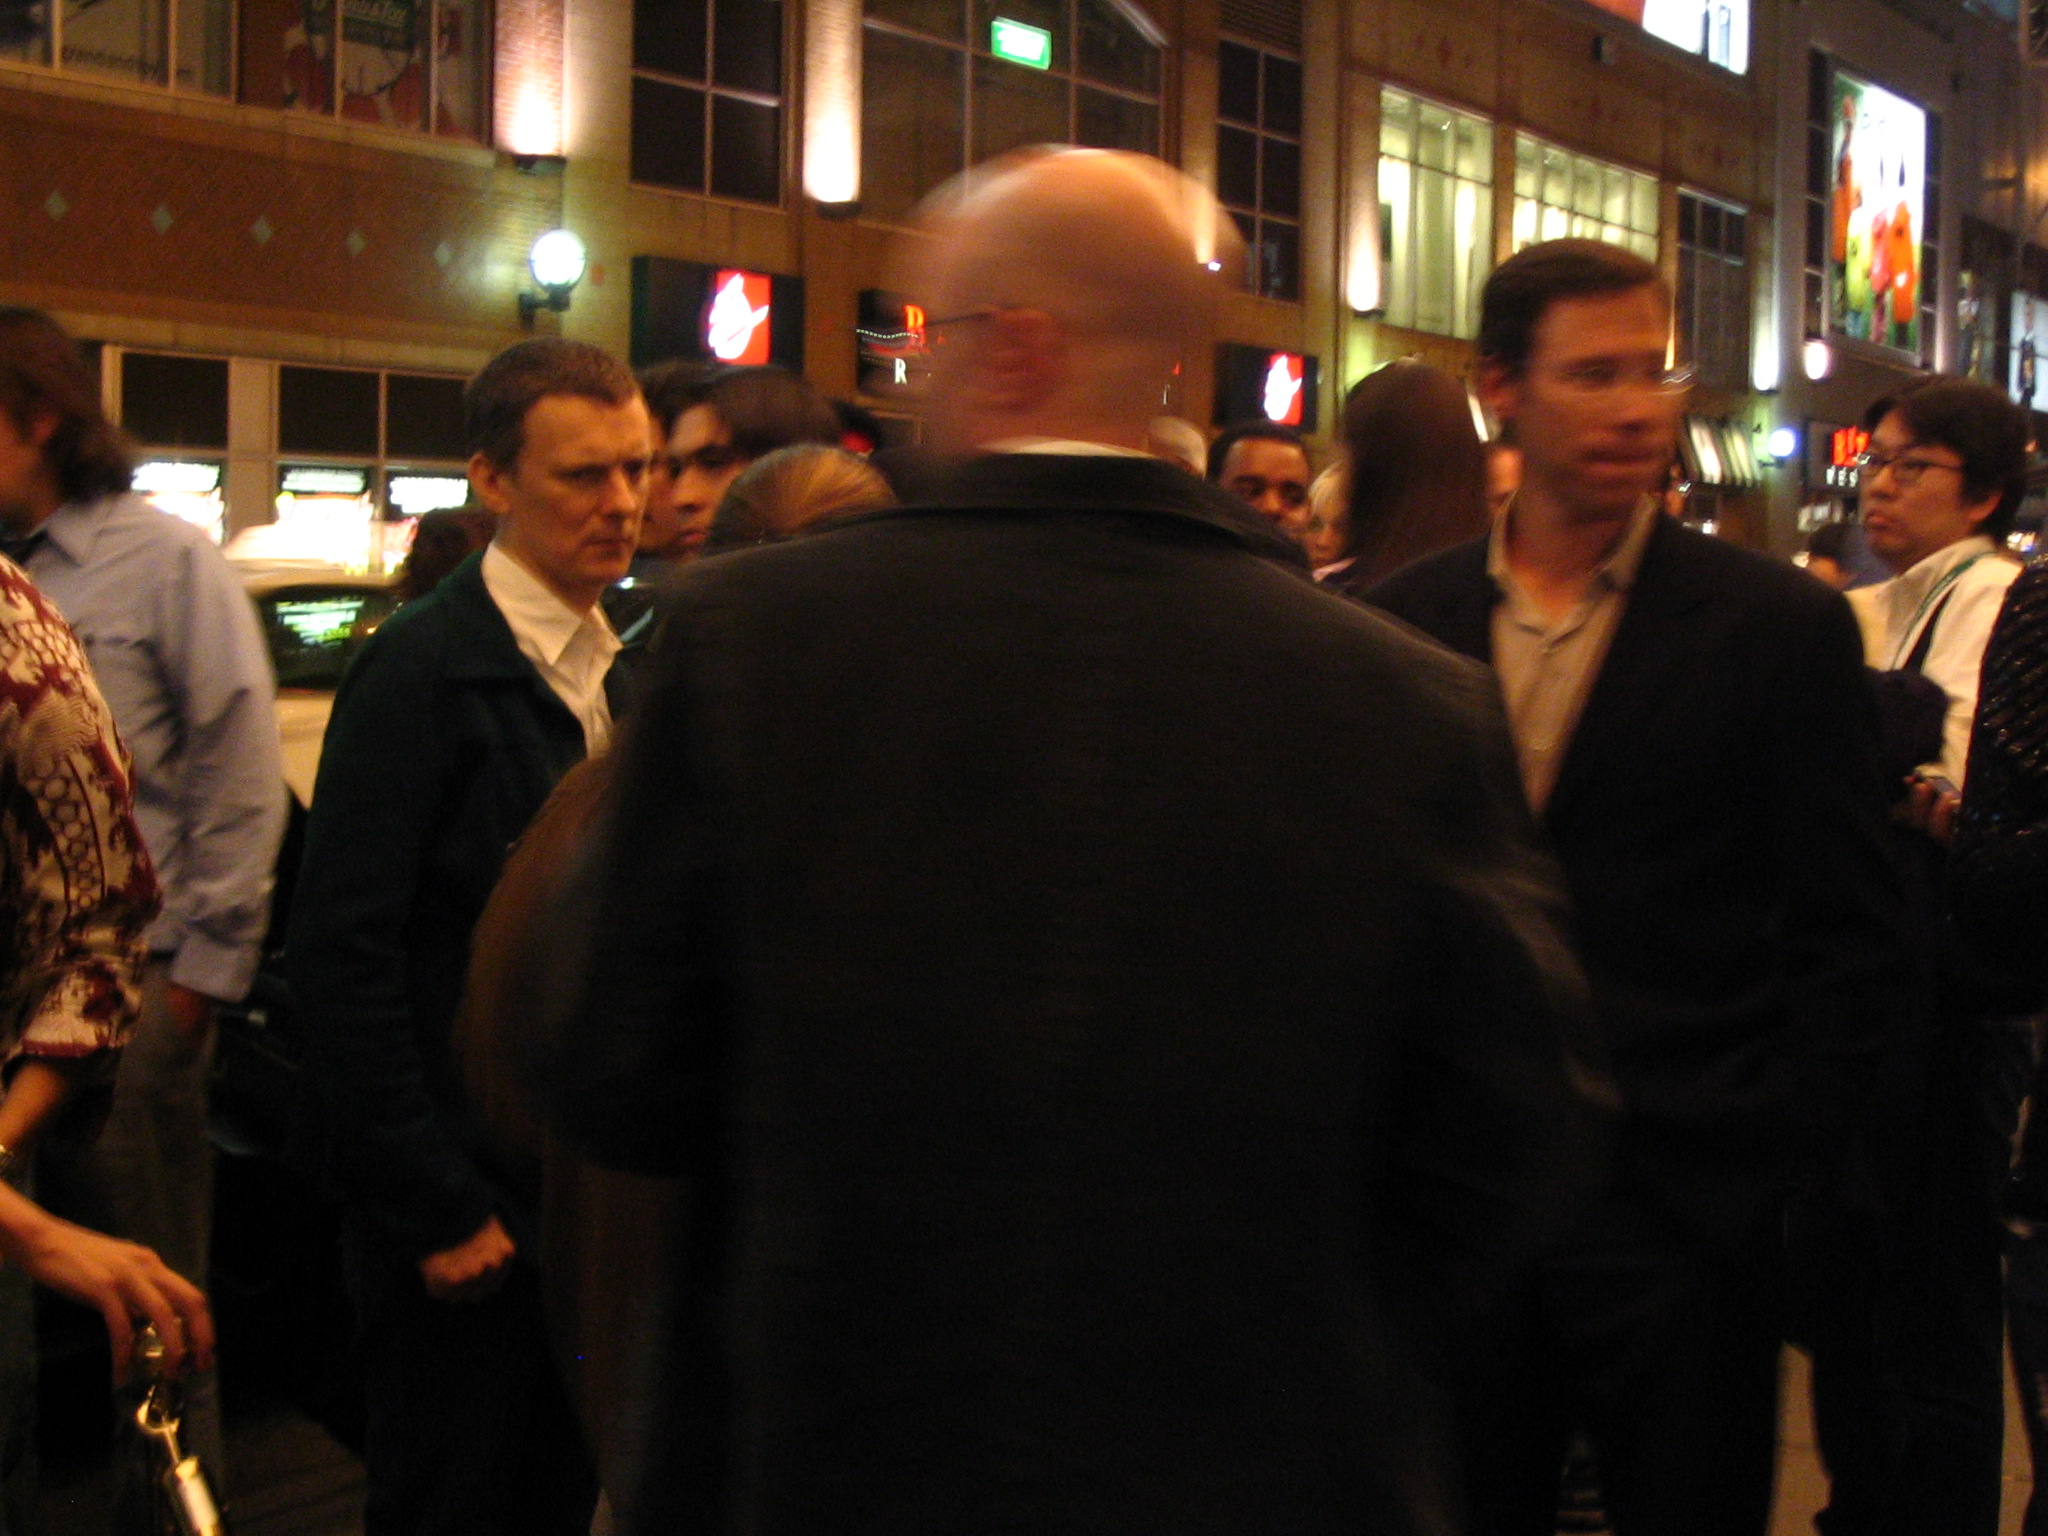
(1818, 357)
(1782, 444)
(557, 263)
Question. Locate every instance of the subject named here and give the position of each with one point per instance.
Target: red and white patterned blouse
(77, 893)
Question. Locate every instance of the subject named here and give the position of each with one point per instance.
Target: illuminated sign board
(889, 335)
(1878, 151)
(176, 477)
(1258, 384)
(1020, 43)
(1831, 455)
(411, 495)
(736, 317)
(1716, 30)
(688, 309)
(2028, 380)
(322, 480)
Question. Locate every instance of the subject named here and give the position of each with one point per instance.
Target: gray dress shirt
(177, 651)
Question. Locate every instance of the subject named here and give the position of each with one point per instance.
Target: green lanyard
(1934, 595)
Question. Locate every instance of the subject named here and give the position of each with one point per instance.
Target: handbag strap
(1925, 643)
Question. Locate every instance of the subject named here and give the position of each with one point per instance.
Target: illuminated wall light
(832, 65)
(527, 90)
(1782, 444)
(1364, 289)
(1818, 358)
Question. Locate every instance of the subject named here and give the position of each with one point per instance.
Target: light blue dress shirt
(178, 653)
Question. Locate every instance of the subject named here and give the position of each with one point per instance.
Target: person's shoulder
(1731, 573)
(1422, 583)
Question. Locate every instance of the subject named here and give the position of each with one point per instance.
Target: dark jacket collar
(479, 641)
(1056, 482)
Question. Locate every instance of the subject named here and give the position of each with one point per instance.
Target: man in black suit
(1082, 1139)
(1693, 729)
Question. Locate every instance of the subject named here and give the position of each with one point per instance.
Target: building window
(1713, 290)
(1436, 214)
(946, 84)
(1258, 161)
(707, 97)
(1560, 194)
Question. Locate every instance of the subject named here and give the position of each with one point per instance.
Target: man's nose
(1273, 502)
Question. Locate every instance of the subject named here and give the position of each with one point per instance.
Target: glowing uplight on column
(527, 84)
(832, 64)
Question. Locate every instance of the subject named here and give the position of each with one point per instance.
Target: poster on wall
(2028, 380)
(1879, 155)
(1716, 30)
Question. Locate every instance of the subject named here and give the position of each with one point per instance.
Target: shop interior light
(557, 263)
(1782, 444)
(1818, 358)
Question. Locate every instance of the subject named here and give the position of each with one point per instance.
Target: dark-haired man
(1694, 730)
(449, 731)
(178, 655)
(1265, 465)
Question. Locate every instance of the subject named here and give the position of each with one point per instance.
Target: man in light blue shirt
(177, 651)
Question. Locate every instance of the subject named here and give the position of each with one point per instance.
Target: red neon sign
(1280, 396)
(736, 320)
(1848, 445)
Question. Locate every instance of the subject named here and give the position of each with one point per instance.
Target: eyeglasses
(1906, 471)
(1599, 375)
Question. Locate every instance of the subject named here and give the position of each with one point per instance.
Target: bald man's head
(1064, 286)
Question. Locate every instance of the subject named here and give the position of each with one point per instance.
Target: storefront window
(1436, 214)
(413, 64)
(1021, 72)
(1258, 161)
(1559, 194)
(707, 97)
(1713, 290)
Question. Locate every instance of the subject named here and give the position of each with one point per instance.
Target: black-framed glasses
(1905, 467)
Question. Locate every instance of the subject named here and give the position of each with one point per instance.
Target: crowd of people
(1072, 978)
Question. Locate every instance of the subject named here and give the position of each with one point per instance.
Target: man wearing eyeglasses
(1695, 734)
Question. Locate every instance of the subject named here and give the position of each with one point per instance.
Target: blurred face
(1913, 498)
(704, 464)
(28, 491)
(1327, 527)
(1503, 476)
(568, 508)
(1272, 478)
(1595, 413)
(660, 526)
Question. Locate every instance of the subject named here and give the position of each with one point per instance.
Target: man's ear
(1977, 511)
(490, 483)
(1025, 357)
(42, 426)
(1499, 389)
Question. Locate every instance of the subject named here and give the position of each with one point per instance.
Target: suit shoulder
(1731, 572)
(1422, 584)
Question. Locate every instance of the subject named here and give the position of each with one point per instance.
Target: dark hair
(1416, 467)
(42, 372)
(441, 541)
(1830, 541)
(671, 388)
(1979, 425)
(495, 402)
(767, 408)
(1250, 431)
(1521, 290)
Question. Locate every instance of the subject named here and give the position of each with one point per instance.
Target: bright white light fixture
(1818, 358)
(832, 65)
(1782, 444)
(557, 262)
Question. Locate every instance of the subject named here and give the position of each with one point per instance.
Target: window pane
(206, 30)
(1475, 150)
(1248, 230)
(1735, 236)
(1528, 163)
(746, 150)
(1473, 233)
(941, 18)
(25, 33)
(1237, 83)
(1434, 251)
(423, 417)
(668, 35)
(1397, 246)
(1015, 108)
(1709, 227)
(1237, 167)
(1643, 203)
(288, 54)
(912, 117)
(1280, 187)
(1116, 122)
(668, 135)
(462, 50)
(1110, 49)
(1283, 96)
(1688, 220)
(1614, 194)
(1586, 188)
(1433, 137)
(1279, 261)
(327, 410)
(1397, 126)
(747, 47)
(1048, 15)
(175, 402)
(384, 64)
(126, 38)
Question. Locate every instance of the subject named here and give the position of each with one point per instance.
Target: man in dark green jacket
(448, 733)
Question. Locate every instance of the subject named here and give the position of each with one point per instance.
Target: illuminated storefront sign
(1019, 43)
(686, 309)
(185, 488)
(1716, 30)
(1254, 383)
(1879, 159)
(1831, 455)
(2028, 381)
(410, 495)
(889, 336)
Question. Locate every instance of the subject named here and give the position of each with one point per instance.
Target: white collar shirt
(572, 651)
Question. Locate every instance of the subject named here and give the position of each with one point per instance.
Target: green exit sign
(1020, 43)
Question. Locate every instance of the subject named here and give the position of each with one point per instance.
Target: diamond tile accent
(443, 254)
(355, 242)
(56, 206)
(161, 221)
(261, 230)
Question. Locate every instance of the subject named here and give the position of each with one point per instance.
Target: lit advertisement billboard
(1716, 30)
(1879, 159)
(2029, 380)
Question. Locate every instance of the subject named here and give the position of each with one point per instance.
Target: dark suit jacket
(1720, 817)
(443, 743)
(1106, 997)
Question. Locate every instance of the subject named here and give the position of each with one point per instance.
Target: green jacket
(443, 743)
